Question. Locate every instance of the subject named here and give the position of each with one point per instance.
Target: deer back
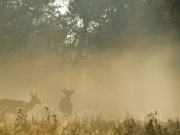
(10, 105)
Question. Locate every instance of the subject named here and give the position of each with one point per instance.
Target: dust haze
(143, 77)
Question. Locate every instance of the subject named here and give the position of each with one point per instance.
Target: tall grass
(87, 123)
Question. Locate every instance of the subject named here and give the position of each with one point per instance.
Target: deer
(11, 105)
(65, 104)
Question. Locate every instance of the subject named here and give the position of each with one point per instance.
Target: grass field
(88, 123)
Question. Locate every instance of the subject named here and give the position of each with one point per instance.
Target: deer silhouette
(65, 104)
(11, 105)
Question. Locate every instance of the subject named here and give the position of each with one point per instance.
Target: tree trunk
(82, 41)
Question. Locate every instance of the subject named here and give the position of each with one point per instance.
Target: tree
(20, 18)
(97, 20)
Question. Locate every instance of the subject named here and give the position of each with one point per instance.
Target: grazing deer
(65, 104)
(11, 105)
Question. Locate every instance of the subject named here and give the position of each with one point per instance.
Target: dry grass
(87, 123)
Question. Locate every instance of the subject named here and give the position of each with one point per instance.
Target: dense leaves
(76, 29)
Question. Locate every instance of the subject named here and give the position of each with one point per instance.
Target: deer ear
(62, 90)
(31, 94)
(36, 94)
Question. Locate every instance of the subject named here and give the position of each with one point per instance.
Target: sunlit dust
(135, 80)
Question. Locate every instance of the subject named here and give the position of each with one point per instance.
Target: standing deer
(65, 104)
(11, 105)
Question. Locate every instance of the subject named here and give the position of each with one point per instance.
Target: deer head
(35, 99)
(67, 93)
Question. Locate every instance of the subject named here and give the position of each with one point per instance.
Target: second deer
(11, 105)
(65, 104)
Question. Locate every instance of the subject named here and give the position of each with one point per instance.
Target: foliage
(87, 27)
(19, 19)
(88, 123)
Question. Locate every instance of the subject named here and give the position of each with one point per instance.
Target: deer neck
(68, 98)
(30, 104)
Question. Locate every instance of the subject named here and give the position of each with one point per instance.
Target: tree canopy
(86, 27)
